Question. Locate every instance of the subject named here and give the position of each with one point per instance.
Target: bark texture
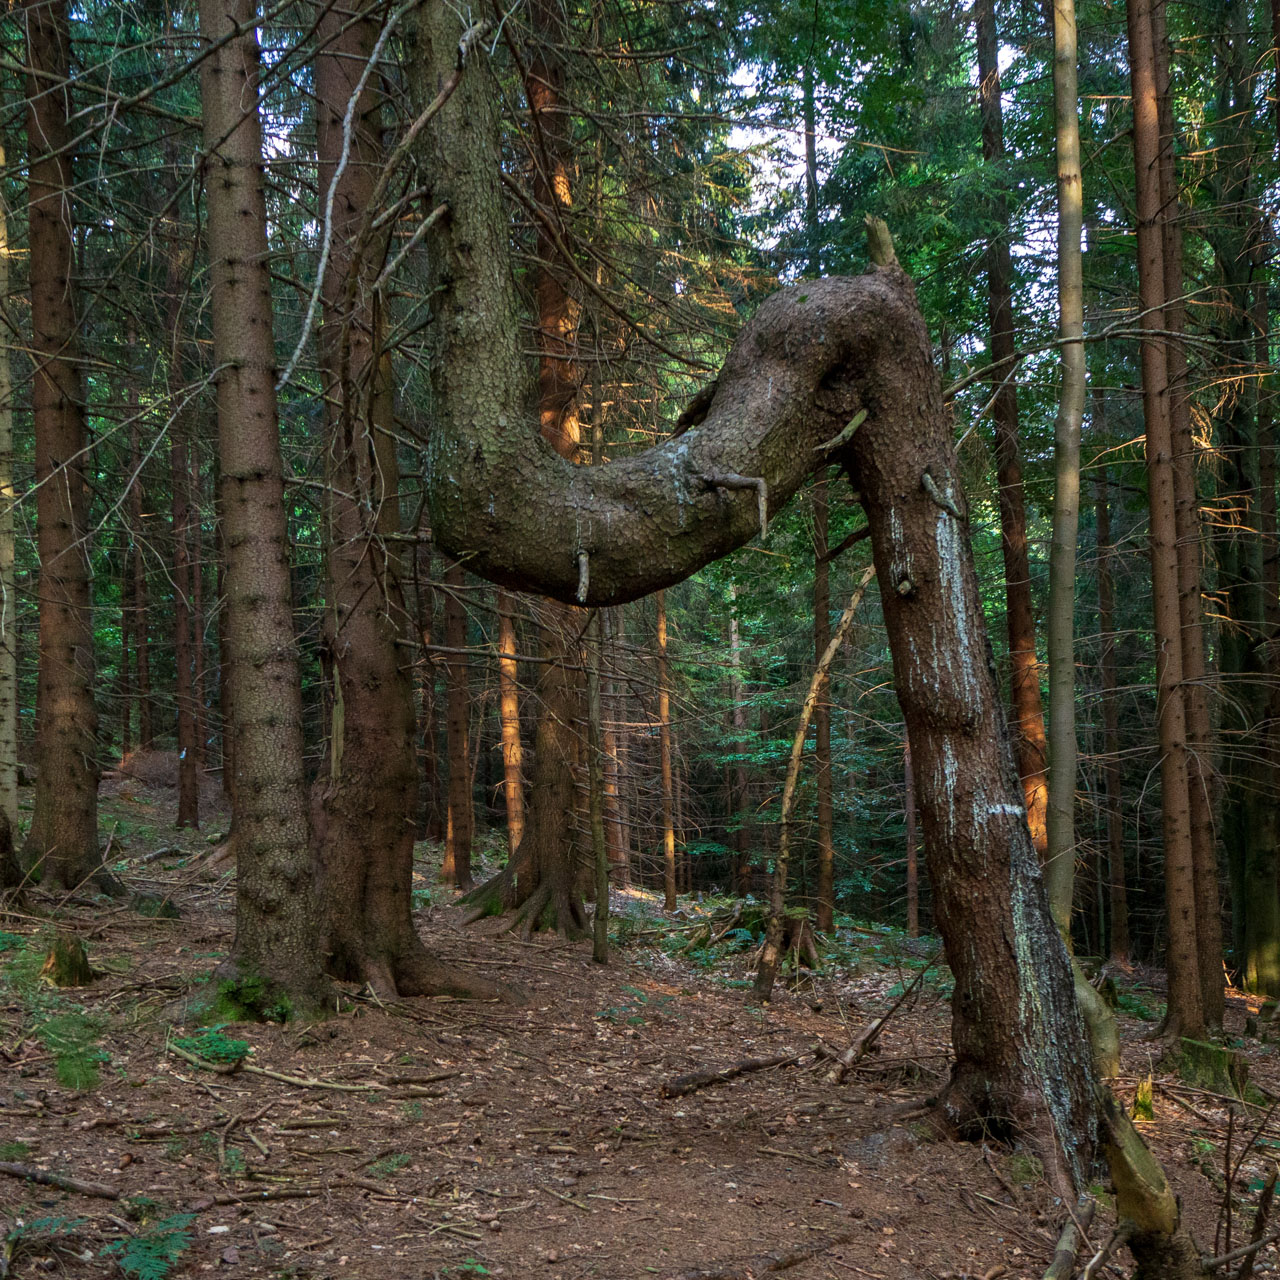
(8, 598)
(1186, 1008)
(1030, 746)
(63, 837)
(278, 925)
(811, 359)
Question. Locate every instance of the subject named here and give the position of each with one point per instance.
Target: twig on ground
(696, 1080)
(871, 1032)
(59, 1180)
(1074, 1234)
(780, 1260)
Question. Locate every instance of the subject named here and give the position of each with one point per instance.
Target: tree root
(498, 894)
(549, 907)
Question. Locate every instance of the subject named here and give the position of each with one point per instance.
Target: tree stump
(67, 964)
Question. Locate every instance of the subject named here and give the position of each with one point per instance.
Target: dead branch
(764, 1263)
(696, 1080)
(871, 1032)
(59, 1180)
(1074, 1235)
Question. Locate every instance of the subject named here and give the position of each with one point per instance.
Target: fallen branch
(1245, 1251)
(305, 1082)
(764, 1263)
(871, 1032)
(1074, 1234)
(59, 1180)
(696, 1080)
(1260, 1222)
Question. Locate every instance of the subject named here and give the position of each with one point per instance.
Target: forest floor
(441, 1138)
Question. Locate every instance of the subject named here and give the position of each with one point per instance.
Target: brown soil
(473, 1139)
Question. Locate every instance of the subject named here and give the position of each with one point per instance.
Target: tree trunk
(179, 483)
(615, 833)
(1028, 715)
(8, 582)
(1061, 855)
(913, 869)
(741, 791)
(664, 759)
(509, 713)
(460, 822)
(138, 591)
(276, 959)
(1195, 695)
(63, 838)
(1112, 776)
(822, 712)
(1186, 1008)
(365, 800)
(811, 359)
(432, 807)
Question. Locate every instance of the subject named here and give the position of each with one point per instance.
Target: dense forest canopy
(457, 438)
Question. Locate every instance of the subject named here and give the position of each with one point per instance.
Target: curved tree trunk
(63, 838)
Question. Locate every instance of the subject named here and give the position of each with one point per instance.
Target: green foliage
(14, 1150)
(152, 1255)
(11, 941)
(632, 1013)
(248, 999)
(389, 1164)
(1131, 1003)
(72, 1038)
(213, 1046)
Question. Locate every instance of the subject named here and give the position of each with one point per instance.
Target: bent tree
(807, 365)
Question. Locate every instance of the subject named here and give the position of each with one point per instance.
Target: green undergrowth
(244, 999)
(70, 1032)
(213, 1046)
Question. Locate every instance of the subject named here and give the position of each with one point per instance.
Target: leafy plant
(14, 1150)
(11, 941)
(631, 1013)
(211, 1045)
(72, 1038)
(388, 1165)
(151, 1255)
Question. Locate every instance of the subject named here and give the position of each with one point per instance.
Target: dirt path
(443, 1138)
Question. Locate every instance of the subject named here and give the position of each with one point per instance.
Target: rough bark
(279, 936)
(8, 596)
(811, 359)
(364, 801)
(509, 714)
(1024, 684)
(1186, 1009)
(63, 837)
(1200, 780)
(613, 739)
(1061, 849)
(431, 806)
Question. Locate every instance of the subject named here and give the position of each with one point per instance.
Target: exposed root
(498, 894)
(552, 908)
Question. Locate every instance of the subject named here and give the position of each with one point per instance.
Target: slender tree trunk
(364, 806)
(1060, 864)
(509, 713)
(913, 868)
(184, 693)
(63, 838)
(822, 711)
(460, 823)
(432, 806)
(1112, 776)
(1028, 715)
(595, 770)
(8, 581)
(664, 761)
(126, 653)
(615, 833)
(279, 935)
(199, 675)
(1186, 1008)
(1187, 517)
(741, 792)
(138, 590)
